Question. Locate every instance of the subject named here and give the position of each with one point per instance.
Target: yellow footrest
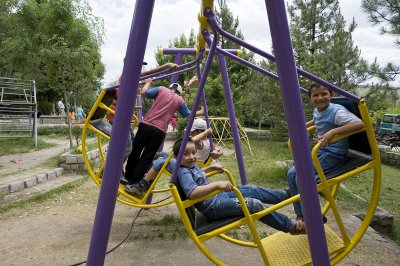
(286, 249)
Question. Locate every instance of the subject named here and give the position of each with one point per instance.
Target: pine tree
(324, 46)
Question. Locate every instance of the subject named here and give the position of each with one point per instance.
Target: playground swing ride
(322, 245)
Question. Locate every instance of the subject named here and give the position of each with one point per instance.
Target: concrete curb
(30, 181)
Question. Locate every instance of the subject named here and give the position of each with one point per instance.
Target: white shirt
(60, 105)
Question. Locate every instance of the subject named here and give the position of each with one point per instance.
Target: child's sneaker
(123, 180)
(138, 189)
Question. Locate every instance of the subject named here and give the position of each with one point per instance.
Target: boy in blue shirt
(329, 120)
(194, 183)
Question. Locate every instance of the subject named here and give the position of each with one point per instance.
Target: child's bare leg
(151, 175)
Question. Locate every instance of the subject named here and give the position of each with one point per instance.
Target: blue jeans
(328, 161)
(226, 204)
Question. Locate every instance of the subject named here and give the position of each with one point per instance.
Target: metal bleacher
(18, 108)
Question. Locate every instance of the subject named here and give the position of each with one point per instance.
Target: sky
(171, 18)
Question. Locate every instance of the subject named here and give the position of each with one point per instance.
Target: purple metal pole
(246, 63)
(297, 130)
(204, 101)
(192, 51)
(178, 61)
(120, 130)
(232, 119)
(194, 107)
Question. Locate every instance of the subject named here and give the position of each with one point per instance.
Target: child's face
(320, 98)
(189, 157)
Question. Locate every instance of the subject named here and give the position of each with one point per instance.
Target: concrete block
(41, 178)
(59, 171)
(63, 159)
(74, 166)
(17, 186)
(5, 189)
(66, 166)
(80, 159)
(70, 159)
(31, 182)
(51, 175)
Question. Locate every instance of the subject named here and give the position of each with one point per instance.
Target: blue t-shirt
(189, 179)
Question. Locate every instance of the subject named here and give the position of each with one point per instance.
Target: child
(174, 121)
(72, 116)
(80, 113)
(152, 130)
(329, 119)
(199, 133)
(194, 183)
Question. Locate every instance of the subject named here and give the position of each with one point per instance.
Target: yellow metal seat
(97, 123)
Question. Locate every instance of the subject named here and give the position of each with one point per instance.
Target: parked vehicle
(389, 128)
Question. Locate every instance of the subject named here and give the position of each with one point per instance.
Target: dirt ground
(57, 231)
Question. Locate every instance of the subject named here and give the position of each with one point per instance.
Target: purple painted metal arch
(207, 38)
(214, 25)
(193, 51)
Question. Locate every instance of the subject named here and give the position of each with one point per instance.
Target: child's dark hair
(317, 86)
(177, 145)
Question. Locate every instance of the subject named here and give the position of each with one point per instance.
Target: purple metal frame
(214, 25)
(292, 104)
(120, 130)
(297, 130)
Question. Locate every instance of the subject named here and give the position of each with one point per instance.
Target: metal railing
(18, 108)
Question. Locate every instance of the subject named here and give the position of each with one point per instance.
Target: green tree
(52, 41)
(386, 14)
(324, 46)
(239, 74)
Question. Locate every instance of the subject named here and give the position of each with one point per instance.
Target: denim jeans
(328, 161)
(226, 204)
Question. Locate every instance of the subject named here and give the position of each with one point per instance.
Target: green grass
(21, 145)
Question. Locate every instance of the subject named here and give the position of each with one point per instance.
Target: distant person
(61, 107)
(174, 121)
(80, 113)
(151, 132)
(72, 116)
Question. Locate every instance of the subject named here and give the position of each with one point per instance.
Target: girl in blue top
(329, 120)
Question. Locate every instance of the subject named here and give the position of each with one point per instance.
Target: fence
(18, 108)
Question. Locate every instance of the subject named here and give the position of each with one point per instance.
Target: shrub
(45, 107)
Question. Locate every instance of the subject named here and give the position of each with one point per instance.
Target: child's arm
(172, 66)
(202, 191)
(348, 128)
(202, 135)
(310, 123)
(200, 112)
(215, 154)
(214, 168)
(145, 87)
